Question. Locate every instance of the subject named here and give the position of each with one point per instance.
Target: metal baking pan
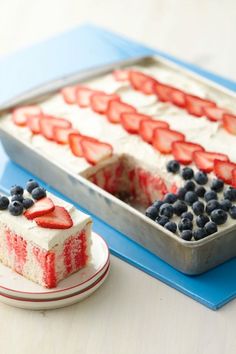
(192, 257)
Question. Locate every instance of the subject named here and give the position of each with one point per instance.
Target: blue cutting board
(87, 47)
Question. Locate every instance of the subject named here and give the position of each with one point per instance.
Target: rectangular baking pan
(192, 257)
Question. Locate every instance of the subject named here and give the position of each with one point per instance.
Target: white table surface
(132, 313)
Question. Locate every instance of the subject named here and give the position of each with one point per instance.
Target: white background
(132, 313)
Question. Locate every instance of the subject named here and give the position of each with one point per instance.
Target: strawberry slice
(83, 96)
(47, 123)
(214, 114)
(33, 123)
(163, 139)
(70, 94)
(163, 92)
(234, 178)
(195, 105)
(148, 87)
(21, 114)
(60, 134)
(137, 79)
(183, 151)
(59, 218)
(121, 75)
(204, 160)
(147, 126)
(74, 140)
(115, 108)
(177, 97)
(99, 101)
(41, 207)
(224, 170)
(229, 122)
(95, 151)
(131, 121)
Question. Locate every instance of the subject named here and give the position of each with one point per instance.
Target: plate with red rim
(15, 285)
(50, 304)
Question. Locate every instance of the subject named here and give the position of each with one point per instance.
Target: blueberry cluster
(194, 204)
(16, 203)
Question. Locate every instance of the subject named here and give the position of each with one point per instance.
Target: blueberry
(166, 210)
(199, 234)
(179, 207)
(200, 177)
(190, 186)
(185, 224)
(212, 205)
(187, 173)
(232, 212)
(27, 203)
(151, 212)
(217, 185)
(171, 226)
(4, 202)
(210, 227)
(198, 208)
(190, 197)
(17, 197)
(219, 216)
(157, 204)
(173, 166)
(16, 190)
(38, 193)
(225, 204)
(230, 193)
(181, 193)
(162, 220)
(170, 198)
(188, 215)
(31, 184)
(201, 220)
(210, 195)
(200, 191)
(187, 235)
(15, 208)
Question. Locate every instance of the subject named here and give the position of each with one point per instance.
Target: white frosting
(45, 237)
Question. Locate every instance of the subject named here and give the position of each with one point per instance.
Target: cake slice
(42, 237)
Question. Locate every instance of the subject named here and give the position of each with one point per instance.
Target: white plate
(57, 303)
(15, 285)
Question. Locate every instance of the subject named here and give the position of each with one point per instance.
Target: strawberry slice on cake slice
(224, 170)
(147, 127)
(142, 82)
(183, 151)
(47, 124)
(75, 143)
(83, 95)
(99, 101)
(195, 105)
(58, 218)
(95, 151)
(131, 121)
(116, 108)
(229, 123)
(204, 160)
(41, 207)
(21, 114)
(163, 139)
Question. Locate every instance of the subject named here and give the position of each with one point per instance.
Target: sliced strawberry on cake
(229, 123)
(95, 151)
(177, 97)
(33, 123)
(183, 151)
(58, 218)
(115, 108)
(41, 207)
(21, 114)
(74, 140)
(83, 95)
(131, 121)
(121, 74)
(215, 114)
(204, 160)
(163, 139)
(147, 127)
(195, 105)
(61, 134)
(163, 92)
(70, 94)
(142, 82)
(224, 170)
(99, 101)
(47, 124)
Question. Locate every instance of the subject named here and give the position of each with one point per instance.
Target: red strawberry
(60, 134)
(121, 74)
(21, 114)
(148, 86)
(115, 108)
(131, 121)
(59, 218)
(183, 151)
(224, 170)
(47, 123)
(204, 160)
(74, 140)
(95, 151)
(41, 207)
(70, 94)
(163, 92)
(99, 101)
(33, 123)
(195, 105)
(147, 126)
(214, 114)
(163, 139)
(234, 178)
(83, 96)
(138, 80)
(177, 97)
(229, 122)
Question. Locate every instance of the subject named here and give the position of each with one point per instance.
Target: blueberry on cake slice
(42, 238)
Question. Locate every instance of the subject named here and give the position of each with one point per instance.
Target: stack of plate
(18, 291)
